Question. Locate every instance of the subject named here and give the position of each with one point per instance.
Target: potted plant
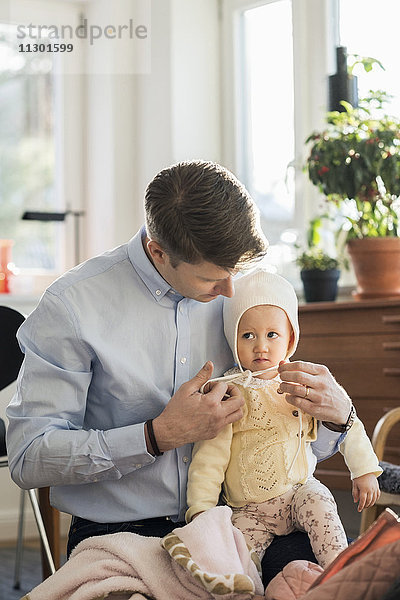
(319, 270)
(355, 163)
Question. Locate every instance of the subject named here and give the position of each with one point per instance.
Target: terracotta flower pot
(376, 263)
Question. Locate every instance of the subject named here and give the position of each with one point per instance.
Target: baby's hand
(365, 491)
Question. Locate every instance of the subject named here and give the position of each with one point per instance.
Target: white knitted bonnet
(255, 288)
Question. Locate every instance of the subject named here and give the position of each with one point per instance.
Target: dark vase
(342, 86)
(320, 286)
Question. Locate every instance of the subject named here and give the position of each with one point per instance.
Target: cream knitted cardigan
(252, 459)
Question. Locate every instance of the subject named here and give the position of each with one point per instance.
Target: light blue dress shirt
(108, 345)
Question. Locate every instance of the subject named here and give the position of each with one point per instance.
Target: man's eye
(248, 336)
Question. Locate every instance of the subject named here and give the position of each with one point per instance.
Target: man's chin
(206, 298)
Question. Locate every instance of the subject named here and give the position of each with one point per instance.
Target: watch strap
(342, 428)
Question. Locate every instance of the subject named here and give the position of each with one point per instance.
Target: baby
(264, 462)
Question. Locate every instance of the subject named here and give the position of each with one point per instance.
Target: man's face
(202, 282)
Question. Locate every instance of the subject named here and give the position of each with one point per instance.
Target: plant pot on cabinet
(376, 263)
(320, 286)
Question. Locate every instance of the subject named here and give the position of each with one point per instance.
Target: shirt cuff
(327, 442)
(127, 447)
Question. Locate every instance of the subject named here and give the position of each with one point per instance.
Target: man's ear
(157, 254)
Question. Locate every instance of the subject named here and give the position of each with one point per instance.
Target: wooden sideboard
(359, 341)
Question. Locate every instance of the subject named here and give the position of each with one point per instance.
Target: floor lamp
(59, 216)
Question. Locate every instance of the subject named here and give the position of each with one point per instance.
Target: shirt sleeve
(327, 442)
(358, 453)
(46, 440)
(210, 459)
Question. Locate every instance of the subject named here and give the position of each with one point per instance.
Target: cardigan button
(295, 413)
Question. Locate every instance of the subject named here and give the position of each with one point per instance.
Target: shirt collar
(152, 279)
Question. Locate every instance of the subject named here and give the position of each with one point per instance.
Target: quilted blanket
(366, 570)
(367, 579)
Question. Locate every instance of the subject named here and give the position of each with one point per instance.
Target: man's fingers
(295, 378)
(232, 407)
(296, 389)
(234, 416)
(207, 388)
(234, 401)
(217, 390)
(233, 391)
(301, 365)
(205, 373)
(303, 404)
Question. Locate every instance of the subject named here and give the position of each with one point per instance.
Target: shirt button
(183, 360)
(185, 459)
(158, 292)
(295, 413)
(181, 309)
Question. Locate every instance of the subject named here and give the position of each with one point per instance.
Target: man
(108, 403)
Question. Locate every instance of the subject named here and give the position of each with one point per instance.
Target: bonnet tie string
(243, 378)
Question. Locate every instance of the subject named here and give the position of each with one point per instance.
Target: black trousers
(295, 546)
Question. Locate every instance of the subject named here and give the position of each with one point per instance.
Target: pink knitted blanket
(204, 560)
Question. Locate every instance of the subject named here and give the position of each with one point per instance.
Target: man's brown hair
(198, 211)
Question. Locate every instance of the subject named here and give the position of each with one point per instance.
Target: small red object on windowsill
(5, 260)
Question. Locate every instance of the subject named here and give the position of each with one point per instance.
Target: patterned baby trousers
(308, 507)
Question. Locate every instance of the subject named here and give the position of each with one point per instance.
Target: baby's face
(264, 336)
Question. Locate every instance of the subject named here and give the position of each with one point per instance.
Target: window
(268, 150)
(41, 144)
(367, 29)
(28, 157)
(281, 53)
(276, 58)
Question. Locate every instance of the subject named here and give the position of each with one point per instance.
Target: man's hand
(313, 389)
(365, 490)
(191, 416)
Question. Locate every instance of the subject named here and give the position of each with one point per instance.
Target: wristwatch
(346, 426)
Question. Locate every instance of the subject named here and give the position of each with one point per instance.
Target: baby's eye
(272, 334)
(248, 335)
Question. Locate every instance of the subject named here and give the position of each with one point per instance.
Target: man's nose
(226, 288)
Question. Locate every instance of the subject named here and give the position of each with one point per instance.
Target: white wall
(152, 120)
(196, 77)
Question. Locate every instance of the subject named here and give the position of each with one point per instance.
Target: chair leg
(20, 547)
(42, 530)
